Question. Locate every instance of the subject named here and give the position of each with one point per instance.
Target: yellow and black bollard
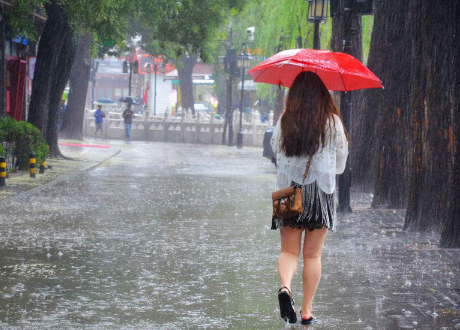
(2, 171)
(42, 167)
(32, 165)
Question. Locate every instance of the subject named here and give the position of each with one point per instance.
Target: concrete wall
(163, 89)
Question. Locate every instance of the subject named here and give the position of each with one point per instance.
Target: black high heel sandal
(311, 320)
(286, 302)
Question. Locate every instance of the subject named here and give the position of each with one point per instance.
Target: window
(101, 93)
(118, 94)
(109, 93)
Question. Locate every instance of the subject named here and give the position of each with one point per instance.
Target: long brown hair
(308, 107)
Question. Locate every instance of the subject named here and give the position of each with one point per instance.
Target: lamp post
(129, 64)
(317, 13)
(243, 61)
(346, 108)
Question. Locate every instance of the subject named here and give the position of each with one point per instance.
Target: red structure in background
(15, 86)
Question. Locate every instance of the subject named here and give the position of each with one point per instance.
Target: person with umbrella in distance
(128, 115)
(311, 147)
(99, 116)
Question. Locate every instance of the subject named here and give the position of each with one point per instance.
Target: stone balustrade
(203, 129)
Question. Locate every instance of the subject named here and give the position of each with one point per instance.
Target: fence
(186, 129)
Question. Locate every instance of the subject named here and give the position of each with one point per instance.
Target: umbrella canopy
(105, 101)
(338, 71)
(106, 104)
(128, 99)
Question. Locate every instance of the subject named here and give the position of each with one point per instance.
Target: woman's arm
(341, 146)
(275, 141)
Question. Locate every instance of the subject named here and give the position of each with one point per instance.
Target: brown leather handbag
(287, 202)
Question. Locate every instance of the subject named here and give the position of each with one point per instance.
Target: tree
(51, 41)
(384, 141)
(52, 70)
(79, 77)
(185, 70)
(432, 100)
(186, 31)
(450, 235)
(60, 76)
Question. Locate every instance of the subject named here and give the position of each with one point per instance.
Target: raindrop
(407, 284)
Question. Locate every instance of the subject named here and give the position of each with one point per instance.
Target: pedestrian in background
(99, 116)
(62, 111)
(128, 115)
(310, 128)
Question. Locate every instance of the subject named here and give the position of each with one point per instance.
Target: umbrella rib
(343, 82)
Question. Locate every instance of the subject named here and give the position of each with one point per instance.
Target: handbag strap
(307, 168)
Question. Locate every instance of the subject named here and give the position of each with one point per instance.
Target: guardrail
(186, 129)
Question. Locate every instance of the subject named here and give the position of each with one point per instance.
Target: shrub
(22, 138)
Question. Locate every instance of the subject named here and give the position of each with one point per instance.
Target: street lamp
(317, 13)
(243, 62)
(130, 65)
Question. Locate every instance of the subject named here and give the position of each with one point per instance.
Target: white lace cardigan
(325, 164)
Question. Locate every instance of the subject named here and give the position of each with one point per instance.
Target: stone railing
(186, 129)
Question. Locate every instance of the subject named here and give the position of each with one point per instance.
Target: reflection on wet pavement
(167, 236)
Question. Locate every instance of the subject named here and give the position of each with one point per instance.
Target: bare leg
(312, 248)
(289, 258)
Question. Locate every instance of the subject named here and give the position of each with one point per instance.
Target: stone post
(271, 115)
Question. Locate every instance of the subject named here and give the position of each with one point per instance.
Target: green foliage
(367, 26)
(19, 17)
(106, 18)
(278, 23)
(22, 138)
(187, 26)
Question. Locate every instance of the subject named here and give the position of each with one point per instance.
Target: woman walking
(310, 131)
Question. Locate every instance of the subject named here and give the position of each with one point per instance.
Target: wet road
(168, 236)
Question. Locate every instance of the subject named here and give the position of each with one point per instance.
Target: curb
(56, 181)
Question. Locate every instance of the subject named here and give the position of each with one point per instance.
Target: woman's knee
(292, 251)
(312, 253)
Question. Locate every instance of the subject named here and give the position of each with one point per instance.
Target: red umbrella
(338, 71)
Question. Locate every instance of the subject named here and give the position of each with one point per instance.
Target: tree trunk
(2, 66)
(432, 113)
(185, 71)
(280, 90)
(390, 59)
(279, 104)
(79, 79)
(51, 41)
(450, 236)
(60, 78)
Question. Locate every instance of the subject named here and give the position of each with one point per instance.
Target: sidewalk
(80, 159)
(177, 236)
(393, 279)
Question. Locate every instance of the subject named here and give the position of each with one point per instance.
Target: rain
(139, 174)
